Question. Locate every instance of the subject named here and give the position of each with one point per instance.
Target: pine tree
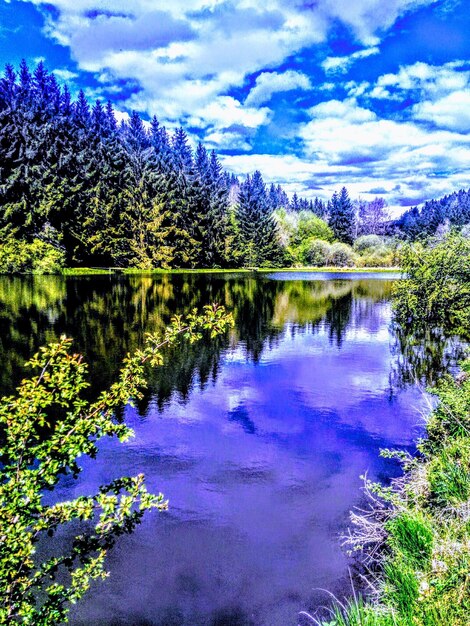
(342, 217)
(257, 228)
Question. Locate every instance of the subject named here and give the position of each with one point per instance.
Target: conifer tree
(341, 217)
(256, 225)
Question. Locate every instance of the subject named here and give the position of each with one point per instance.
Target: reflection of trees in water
(108, 316)
(423, 357)
(29, 307)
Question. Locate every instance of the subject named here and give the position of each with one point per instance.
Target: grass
(417, 533)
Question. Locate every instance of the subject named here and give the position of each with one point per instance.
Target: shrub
(377, 258)
(449, 474)
(437, 288)
(38, 257)
(451, 417)
(315, 252)
(367, 242)
(341, 255)
(45, 429)
(310, 226)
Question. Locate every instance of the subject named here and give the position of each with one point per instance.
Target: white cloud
(227, 141)
(65, 74)
(432, 81)
(269, 83)
(348, 144)
(340, 65)
(185, 53)
(451, 111)
(226, 111)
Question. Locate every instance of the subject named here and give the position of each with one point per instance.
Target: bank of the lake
(91, 271)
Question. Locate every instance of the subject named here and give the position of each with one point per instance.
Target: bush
(367, 242)
(38, 257)
(377, 258)
(437, 288)
(314, 252)
(341, 255)
(310, 226)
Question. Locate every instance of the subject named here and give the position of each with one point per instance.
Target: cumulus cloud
(226, 111)
(187, 52)
(269, 83)
(430, 80)
(340, 65)
(451, 111)
(441, 93)
(65, 74)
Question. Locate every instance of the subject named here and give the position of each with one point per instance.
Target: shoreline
(90, 271)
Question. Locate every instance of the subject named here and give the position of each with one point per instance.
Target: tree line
(78, 188)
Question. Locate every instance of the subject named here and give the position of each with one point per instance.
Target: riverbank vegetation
(78, 189)
(414, 539)
(46, 428)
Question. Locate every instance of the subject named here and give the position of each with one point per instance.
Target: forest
(79, 189)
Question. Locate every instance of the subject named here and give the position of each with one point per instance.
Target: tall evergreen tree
(341, 217)
(256, 224)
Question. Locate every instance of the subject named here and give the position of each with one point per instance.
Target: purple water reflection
(261, 467)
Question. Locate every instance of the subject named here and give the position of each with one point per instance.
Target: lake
(258, 439)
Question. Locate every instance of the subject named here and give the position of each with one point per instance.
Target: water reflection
(258, 439)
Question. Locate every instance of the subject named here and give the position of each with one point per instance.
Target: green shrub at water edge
(341, 255)
(437, 285)
(449, 474)
(22, 257)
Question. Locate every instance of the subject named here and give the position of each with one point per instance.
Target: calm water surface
(258, 439)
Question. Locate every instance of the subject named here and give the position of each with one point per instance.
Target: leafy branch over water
(44, 430)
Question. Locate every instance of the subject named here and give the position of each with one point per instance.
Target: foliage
(436, 289)
(256, 224)
(45, 429)
(37, 257)
(341, 255)
(372, 217)
(122, 195)
(315, 252)
(366, 243)
(452, 210)
(416, 534)
(342, 217)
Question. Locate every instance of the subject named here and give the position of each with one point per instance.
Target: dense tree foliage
(119, 195)
(436, 290)
(256, 223)
(342, 217)
(451, 210)
(134, 195)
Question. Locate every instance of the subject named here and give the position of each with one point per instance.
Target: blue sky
(371, 94)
